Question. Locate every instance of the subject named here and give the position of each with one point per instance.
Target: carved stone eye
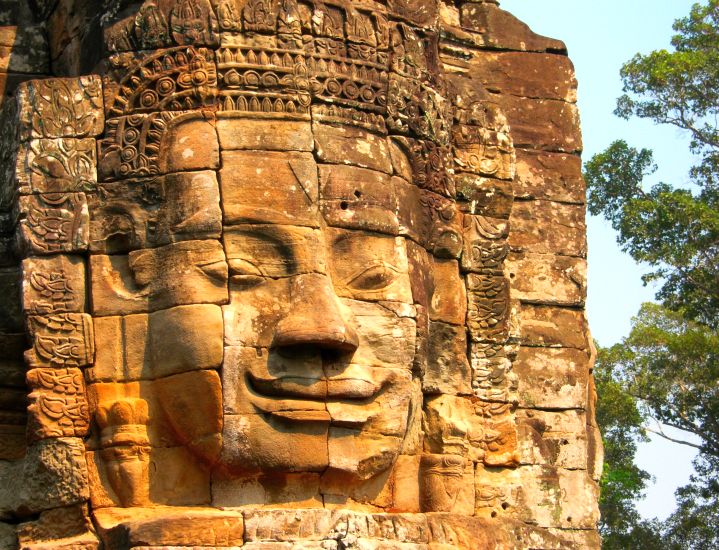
(244, 274)
(375, 277)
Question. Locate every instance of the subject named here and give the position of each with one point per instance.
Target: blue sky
(601, 36)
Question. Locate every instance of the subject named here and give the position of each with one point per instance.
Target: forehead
(226, 170)
(345, 182)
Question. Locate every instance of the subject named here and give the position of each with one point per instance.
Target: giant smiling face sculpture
(275, 254)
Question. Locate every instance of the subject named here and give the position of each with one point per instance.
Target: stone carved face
(281, 278)
(285, 283)
(317, 371)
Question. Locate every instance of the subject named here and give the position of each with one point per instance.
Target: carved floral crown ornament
(272, 293)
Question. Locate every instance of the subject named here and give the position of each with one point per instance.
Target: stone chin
(348, 418)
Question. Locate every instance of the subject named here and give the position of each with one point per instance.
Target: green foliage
(695, 524)
(680, 87)
(675, 231)
(622, 482)
(667, 368)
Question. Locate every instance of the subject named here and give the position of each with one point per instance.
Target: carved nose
(315, 318)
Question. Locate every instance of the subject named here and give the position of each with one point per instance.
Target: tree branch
(661, 433)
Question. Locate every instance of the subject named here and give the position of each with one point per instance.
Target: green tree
(668, 365)
(622, 482)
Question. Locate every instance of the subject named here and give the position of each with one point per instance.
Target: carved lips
(303, 399)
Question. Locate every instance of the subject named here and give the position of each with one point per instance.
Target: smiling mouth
(309, 399)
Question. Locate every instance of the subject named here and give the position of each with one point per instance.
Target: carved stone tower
(291, 274)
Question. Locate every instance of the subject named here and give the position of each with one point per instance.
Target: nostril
(299, 352)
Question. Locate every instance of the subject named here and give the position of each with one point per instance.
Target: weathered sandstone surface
(291, 274)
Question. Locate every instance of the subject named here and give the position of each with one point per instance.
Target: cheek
(386, 339)
(252, 315)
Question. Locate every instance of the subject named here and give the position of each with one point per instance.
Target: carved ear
(142, 266)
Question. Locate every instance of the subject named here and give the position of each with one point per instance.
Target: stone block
(446, 484)
(60, 523)
(544, 227)
(61, 107)
(53, 284)
(503, 31)
(405, 484)
(492, 377)
(548, 279)
(484, 244)
(552, 378)
(542, 175)
(164, 527)
(490, 197)
(254, 313)
(53, 222)
(58, 407)
(263, 134)
(151, 346)
(270, 250)
(256, 443)
(62, 165)
(414, 221)
(269, 187)
(153, 212)
(53, 474)
(449, 299)
(553, 326)
(288, 525)
(419, 13)
(553, 438)
(448, 369)
(566, 498)
(369, 266)
(527, 74)
(357, 198)
(384, 339)
(158, 143)
(182, 409)
(468, 428)
(544, 124)
(353, 146)
(428, 165)
(178, 480)
(62, 340)
(488, 307)
(300, 490)
(135, 283)
(578, 538)
(449, 531)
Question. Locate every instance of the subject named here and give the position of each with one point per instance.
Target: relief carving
(294, 214)
(53, 222)
(60, 107)
(57, 165)
(55, 284)
(174, 79)
(61, 340)
(125, 448)
(58, 407)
